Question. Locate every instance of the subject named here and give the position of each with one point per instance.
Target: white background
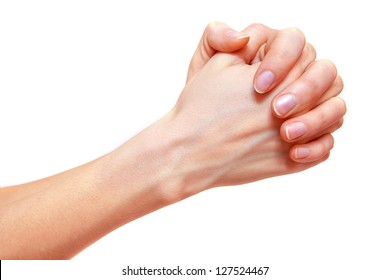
(78, 78)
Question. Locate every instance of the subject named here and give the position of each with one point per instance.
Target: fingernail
(236, 34)
(302, 152)
(264, 81)
(284, 104)
(295, 130)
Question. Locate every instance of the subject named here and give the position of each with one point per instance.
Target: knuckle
(211, 25)
(310, 51)
(326, 157)
(281, 54)
(339, 123)
(339, 84)
(336, 109)
(327, 144)
(331, 142)
(322, 119)
(257, 26)
(323, 148)
(296, 32)
(289, 43)
(343, 105)
(311, 82)
(329, 66)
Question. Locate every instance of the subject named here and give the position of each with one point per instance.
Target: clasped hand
(256, 104)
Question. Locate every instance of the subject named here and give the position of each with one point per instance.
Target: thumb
(217, 37)
(220, 37)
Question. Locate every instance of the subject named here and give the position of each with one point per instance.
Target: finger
(259, 35)
(328, 130)
(312, 151)
(216, 37)
(220, 37)
(336, 88)
(306, 59)
(305, 93)
(282, 54)
(313, 122)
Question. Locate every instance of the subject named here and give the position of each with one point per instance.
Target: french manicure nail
(236, 34)
(264, 81)
(284, 104)
(295, 130)
(302, 152)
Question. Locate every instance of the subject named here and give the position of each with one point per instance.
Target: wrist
(154, 168)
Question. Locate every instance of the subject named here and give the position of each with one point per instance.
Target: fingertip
(316, 150)
(301, 152)
(223, 38)
(213, 24)
(284, 104)
(235, 40)
(264, 81)
(298, 34)
(237, 35)
(283, 53)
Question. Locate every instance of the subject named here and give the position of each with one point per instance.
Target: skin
(259, 43)
(220, 132)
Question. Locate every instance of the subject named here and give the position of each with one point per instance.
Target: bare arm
(57, 217)
(219, 133)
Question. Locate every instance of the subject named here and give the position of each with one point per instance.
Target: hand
(221, 132)
(313, 111)
(309, 105)
(217, 37)
(279, 51)
(232, 136)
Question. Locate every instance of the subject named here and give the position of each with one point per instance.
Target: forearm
(57, 217)
(49, 218)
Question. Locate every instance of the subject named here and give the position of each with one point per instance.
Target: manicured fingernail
(236, 34)
(264, 81)
(302, 152)
(284, 104)
(295, 130)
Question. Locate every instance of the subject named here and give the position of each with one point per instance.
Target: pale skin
(221, 132)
